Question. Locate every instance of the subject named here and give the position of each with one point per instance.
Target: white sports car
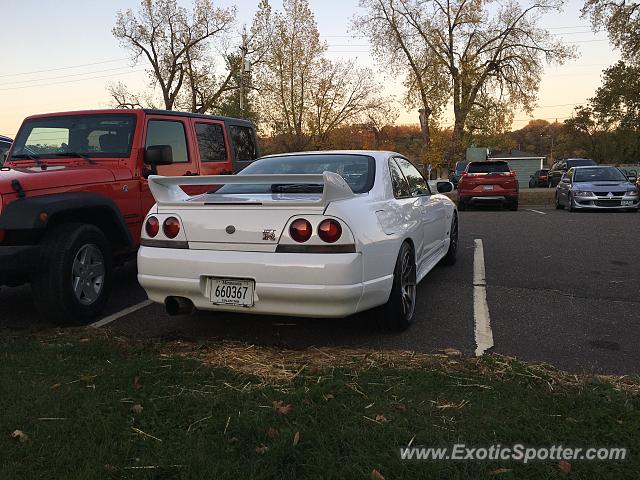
(315, 234)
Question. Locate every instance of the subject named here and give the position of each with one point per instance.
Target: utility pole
(244, 49)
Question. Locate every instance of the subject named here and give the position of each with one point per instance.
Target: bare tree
(175, 43)
(461, 51)
(303, 96)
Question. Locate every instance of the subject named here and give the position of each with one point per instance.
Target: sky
(59, 55)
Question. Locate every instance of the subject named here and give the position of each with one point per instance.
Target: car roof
(5, 139)
(591, 167)
(378, 154)
(134, 111)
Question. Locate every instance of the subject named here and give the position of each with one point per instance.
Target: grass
(94, 406)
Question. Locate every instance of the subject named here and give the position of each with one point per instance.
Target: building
(524, 164)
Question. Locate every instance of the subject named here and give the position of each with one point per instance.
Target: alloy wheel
(87, 277)
(408, 284)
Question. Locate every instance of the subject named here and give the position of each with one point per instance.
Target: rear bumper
(18, 263)
(473, 197)
(305, 285)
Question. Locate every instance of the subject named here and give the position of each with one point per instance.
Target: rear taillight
(152, 227)
(330, 230)
(171, 227)
(300, 230)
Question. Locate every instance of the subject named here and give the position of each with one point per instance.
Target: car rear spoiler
(167, 191)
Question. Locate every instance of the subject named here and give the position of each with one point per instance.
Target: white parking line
(536, 211)
(120, 314)
(482, 321)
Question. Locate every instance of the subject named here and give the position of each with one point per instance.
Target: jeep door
(176, 132)
(212, 147)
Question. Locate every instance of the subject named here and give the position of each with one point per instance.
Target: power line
(63, 76)
(72, 81)
(63, 68)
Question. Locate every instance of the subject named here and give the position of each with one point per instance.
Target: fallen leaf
(376, 475)
(452, 352)
(137, 408)
(564, 466)
(296, 439)
(328, 397)
(84, 340)
(136, 383)
(233, 440)
(401, 407)
(262, 449)
(56, 385)
(381, 418)
(280, 407)
(272, 433)
(499, 471)
(20, 436)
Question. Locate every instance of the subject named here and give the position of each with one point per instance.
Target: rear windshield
(357, 170)
(488, 167)
(598, 175)
(93, 135)
(584, 162)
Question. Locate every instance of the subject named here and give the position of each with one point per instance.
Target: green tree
(621, 19)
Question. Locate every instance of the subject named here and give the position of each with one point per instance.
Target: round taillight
(330, 230)
(300, 230)
(152, 227)
(171, 227)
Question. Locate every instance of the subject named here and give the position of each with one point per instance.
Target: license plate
(627, 203)
(231, 291)
(488, 187)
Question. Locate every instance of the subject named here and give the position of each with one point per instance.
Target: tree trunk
(425, 113)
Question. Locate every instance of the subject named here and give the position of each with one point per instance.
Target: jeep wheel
(397, 314)
(76, 278)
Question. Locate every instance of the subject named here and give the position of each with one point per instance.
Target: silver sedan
(598, 187)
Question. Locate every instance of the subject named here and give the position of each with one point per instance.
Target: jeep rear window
(488, 167)
(92, 135)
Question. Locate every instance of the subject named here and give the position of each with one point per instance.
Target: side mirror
(444, 187)
(632, 178)
(158, 155)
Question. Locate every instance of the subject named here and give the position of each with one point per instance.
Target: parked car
(74, 194)
(5, 144)
(315, 234)
(491, 181)
(539, 179)
(561, 167)
(597, 188)
(457, 172)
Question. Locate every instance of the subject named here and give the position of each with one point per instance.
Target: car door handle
(189, 174)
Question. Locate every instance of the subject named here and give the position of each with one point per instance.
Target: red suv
(492, 181)
(74, 194)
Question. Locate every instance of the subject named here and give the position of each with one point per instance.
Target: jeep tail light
(330, 230)
(171, 227)
(300, 230)
(152, 227)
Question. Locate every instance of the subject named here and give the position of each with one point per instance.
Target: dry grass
(277, 366)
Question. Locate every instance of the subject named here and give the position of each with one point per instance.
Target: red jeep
(73, 194)
(491, 181)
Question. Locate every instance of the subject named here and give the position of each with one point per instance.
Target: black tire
(462, 205)
(450, 257)
(570, 206)
(68, 250)
(559, 206)
(399, 311)
(513, 206)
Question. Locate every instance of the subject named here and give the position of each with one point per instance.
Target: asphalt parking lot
(561, 287)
